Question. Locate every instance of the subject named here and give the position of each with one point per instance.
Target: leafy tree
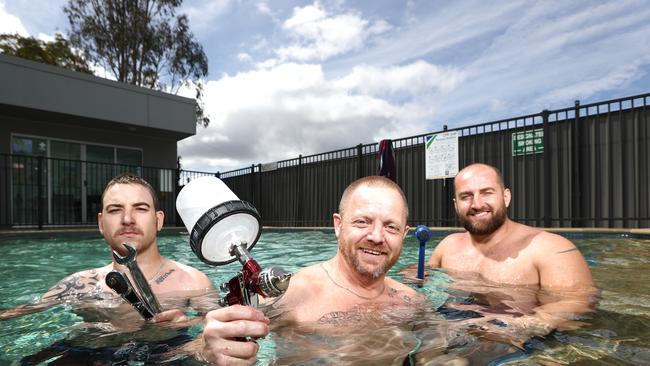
(57, 53)
(141, 42)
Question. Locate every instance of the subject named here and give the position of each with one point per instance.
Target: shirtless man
(347, 289)
(497, 250)
(130, 215)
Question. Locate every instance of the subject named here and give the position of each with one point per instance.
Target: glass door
(28, 180)
(65, 183)
(99, 170)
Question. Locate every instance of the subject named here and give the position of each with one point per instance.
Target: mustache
(129, 230)
(473, 211)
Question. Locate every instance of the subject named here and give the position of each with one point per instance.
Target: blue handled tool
(423, 233)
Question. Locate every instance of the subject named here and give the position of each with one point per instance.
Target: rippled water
(617, 333)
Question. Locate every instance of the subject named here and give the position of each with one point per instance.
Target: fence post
(39, 181)
(258, 201)
(359, 161)
(547, 171)
(301, 199)
(576, 201)
(252, 184)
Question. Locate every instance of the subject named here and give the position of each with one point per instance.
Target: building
(64, 134)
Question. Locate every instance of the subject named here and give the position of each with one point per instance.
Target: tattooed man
(130, 215)
(508, 258)
(351, 291)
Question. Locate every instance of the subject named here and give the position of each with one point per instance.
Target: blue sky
(302, 77)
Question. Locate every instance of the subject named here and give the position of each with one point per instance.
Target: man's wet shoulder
(78, 285)
(402, 293)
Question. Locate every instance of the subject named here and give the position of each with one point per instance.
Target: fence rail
(592, 170)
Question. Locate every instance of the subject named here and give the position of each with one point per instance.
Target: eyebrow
(120, 205)
(480, 190)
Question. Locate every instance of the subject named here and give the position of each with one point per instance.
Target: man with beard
(370, 227)
(499, 249)
(346, 310)
(521, 278)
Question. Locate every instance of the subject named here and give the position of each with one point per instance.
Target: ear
(100, 224)
(337, 224)
(406, 231)
(455, 205)
(507, 196)
(160, 219)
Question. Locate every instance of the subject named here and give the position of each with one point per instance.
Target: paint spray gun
(252, 281)
(224, 229)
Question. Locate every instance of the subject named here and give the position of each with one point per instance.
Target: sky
(303, 77)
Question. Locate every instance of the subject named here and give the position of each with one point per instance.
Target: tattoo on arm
(566, 251)
(71, 287)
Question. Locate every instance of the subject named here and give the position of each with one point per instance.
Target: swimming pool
(617, 333)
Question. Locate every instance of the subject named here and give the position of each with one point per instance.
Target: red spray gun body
(252, 280)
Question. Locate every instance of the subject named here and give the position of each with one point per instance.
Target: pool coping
(168, 230)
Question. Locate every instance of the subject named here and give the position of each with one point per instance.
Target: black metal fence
(586, 166)
(36, 191)
(591, 169)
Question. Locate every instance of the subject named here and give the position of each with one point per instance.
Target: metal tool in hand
(121, 284)
(141, 283)
(252, 281)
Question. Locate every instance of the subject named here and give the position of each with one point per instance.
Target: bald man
(498, 253)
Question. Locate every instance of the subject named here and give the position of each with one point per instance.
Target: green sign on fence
(528, 142)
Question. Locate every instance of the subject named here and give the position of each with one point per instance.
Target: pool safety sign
(441, 155)
(528, 142)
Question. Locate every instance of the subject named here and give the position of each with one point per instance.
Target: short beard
(492, 225)
(353, 260)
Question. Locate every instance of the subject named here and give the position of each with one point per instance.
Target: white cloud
(317, 35)
(244, 57)
(271, 114)
(263, 8)
(202, 13)
(10, 23)
(413, 78)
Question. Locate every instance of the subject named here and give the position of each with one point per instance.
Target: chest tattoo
(340, 317)
(164, 276)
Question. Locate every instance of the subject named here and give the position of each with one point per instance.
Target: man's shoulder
(197, 277)
(400, 287)
(87, 274)
(454, 239)
(308, 275)
(545, 240)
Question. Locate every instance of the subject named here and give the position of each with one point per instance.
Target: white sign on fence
(441, 155)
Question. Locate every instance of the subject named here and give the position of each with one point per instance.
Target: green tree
(141, 42)
(57, 53)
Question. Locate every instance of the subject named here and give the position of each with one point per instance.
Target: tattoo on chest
(340, 317)
(164, 276)
(392, 293)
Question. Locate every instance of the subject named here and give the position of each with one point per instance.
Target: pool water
(617, 333)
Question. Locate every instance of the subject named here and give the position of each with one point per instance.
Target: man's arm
(74, 285)
(560, 264)
(438, 253)
(567, 288)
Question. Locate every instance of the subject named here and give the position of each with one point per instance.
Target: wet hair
(372, 181)
(127, 178)
(496, 171)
